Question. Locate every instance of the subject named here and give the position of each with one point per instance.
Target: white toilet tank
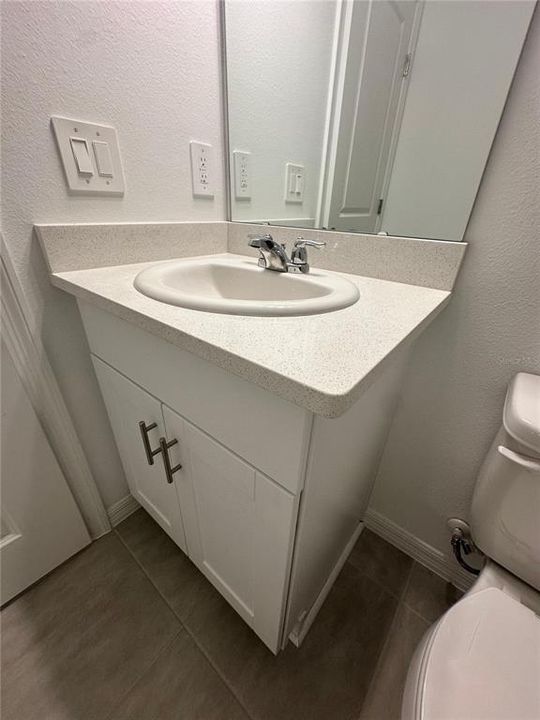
(505, 511)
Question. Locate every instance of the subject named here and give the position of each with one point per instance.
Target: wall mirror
(365, 115)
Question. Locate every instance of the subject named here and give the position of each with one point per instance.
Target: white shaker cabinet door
(239, 527)
(128, 405)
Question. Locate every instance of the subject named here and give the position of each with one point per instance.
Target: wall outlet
(202, 167)
(242, 175)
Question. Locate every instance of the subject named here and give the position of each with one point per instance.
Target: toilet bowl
(481, 660)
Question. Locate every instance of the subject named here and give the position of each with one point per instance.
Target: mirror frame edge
(227, 196)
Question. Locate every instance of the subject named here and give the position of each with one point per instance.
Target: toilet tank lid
(521, 415)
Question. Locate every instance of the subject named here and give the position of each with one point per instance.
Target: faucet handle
(299, 256)
(301, 243)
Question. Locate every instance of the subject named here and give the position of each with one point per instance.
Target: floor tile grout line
(396, 595)
(391, 631)
(164, 649)
(403, 594)
(188, 631)
(419, 615)
(403, 602)
(165, 645)
(378, 665)
(407, 583)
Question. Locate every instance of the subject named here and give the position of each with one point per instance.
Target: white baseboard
(122, 509)
(300, 631)
(443, 565)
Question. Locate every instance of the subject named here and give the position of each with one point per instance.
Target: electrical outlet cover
(242, 174)
(202, 168)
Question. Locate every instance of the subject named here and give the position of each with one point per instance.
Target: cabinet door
(127, 405)
(239, 528)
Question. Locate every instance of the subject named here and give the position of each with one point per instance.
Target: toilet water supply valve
(462, 543)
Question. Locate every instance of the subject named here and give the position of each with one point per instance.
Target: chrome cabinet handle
(164, 449)
(144, 428)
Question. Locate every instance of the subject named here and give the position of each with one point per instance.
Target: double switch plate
(295, 177)
(90, 156)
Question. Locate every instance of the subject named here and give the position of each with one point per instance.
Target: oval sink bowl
(241, 287)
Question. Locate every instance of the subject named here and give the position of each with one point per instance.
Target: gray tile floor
(129, 629)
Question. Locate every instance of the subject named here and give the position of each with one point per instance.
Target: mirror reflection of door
(366, 115)
(374, 52)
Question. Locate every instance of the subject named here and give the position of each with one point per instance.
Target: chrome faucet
(273, 255)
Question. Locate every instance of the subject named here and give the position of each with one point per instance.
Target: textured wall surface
(151, 69)
(453, 397)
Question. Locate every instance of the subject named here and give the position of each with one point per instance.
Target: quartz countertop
(320, 362)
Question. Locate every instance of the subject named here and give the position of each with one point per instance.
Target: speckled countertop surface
(320, 362)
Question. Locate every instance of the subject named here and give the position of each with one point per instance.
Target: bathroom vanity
(253, 441)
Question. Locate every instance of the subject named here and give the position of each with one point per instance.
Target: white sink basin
(239, 287)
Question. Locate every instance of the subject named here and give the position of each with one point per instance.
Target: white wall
(278, 76)
(151, 69)
(453, 397)
(463, 65)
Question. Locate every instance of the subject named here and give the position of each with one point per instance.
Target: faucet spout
(273, 256)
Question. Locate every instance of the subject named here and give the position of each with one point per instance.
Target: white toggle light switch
(202, 161)
(90, 156)
(294, 183)
(242, 174)
(79, 147)
(103, 158)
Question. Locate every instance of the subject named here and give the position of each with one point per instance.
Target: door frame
(37, 377)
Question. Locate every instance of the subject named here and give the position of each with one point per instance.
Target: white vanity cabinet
(269, 498)
(235, 524)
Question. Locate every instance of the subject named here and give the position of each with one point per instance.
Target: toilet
(481, 660)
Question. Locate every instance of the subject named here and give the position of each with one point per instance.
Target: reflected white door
(41, 524)
(375, 44)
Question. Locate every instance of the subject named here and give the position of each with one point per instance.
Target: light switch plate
(242, 174)
(94, 181)
(103, 158)
(295, 178)
(202, 169)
